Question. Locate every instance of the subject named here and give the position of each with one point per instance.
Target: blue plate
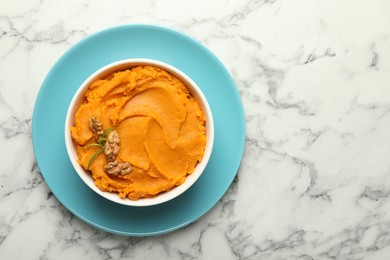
(137, 41)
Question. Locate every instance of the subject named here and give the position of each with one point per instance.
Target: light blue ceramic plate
(138, 41)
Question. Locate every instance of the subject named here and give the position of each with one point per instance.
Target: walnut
(111, 146)
(96, 127)
(126, 168)
(118, 168)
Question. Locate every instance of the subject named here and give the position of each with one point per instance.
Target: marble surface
(314, 77)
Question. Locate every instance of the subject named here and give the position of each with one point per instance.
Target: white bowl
(196, 93)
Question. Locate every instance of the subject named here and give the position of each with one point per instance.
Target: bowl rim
(195, 91)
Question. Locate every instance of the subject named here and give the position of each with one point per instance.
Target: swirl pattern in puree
(161, 126)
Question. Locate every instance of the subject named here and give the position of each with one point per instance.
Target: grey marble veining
(314, 79)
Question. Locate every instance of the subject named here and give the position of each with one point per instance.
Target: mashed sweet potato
(160, 124)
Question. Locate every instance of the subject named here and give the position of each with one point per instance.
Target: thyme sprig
(100, 144)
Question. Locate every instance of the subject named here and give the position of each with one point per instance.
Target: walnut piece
(111, 149)
(118, 168)
(111, 146)
(96, 127)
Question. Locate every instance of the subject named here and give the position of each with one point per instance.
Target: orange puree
(161, 127)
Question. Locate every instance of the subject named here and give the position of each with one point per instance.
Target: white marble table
(314, 77)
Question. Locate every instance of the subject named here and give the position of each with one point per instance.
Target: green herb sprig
(100, 144)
